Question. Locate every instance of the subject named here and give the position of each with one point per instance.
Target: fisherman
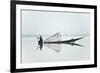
(40, 42)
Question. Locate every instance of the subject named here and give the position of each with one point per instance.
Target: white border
(51, 64)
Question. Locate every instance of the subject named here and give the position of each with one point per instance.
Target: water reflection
(49, 52)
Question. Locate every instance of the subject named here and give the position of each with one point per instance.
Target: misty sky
(48, 22)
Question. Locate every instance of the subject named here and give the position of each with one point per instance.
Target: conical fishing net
(56, 47)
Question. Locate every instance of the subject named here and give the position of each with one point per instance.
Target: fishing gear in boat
(54, 42)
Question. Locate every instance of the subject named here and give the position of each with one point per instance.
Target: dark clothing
(40, 42)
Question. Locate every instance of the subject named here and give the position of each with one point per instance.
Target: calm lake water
(30, 53)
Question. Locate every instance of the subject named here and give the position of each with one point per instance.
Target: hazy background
(47, 23)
